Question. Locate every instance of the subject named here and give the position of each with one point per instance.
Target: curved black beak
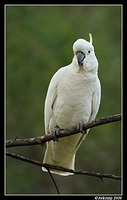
(80, 57)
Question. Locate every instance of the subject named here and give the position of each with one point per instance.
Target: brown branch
(79, 172)
(54, 182)
(63, 133)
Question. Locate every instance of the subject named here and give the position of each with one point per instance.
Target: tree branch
(54, 182)
(63, 132)
(79, 172)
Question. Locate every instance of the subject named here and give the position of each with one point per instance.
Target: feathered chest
(73, 99)
(75, 89)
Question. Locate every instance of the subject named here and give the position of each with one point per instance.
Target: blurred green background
(39, 41)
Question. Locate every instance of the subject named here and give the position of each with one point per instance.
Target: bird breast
(73, 102)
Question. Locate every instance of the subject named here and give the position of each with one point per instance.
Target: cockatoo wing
(49, 102)
(50, 98)
(95, 102)
(96, 97)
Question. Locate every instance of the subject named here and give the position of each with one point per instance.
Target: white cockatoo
(73, 98)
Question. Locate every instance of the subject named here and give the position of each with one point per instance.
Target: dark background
(39, 41)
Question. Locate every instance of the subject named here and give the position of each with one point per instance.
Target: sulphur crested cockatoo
(73, 97)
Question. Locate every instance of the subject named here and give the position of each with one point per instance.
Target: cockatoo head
(84, 56)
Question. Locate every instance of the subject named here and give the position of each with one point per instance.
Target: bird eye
(89, 51)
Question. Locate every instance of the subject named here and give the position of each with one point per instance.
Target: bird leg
(80, 127)
(55, 133)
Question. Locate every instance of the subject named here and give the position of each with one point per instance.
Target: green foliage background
(39, 41)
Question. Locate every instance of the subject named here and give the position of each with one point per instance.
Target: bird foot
(80, 127)
(55, 133)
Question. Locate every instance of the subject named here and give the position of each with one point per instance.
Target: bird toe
(55, 133)
(80, 126)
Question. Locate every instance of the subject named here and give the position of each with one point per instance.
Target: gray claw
(80, 126)
(55, 133)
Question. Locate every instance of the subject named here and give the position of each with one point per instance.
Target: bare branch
(57, 189)
(63, 133)
(79, 172)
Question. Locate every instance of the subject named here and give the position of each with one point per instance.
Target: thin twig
(79, 172)
(53, 181)
(63, 133)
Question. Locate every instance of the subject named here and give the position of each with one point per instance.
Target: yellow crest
(90, 35)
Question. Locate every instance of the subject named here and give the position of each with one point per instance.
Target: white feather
(73, 95)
